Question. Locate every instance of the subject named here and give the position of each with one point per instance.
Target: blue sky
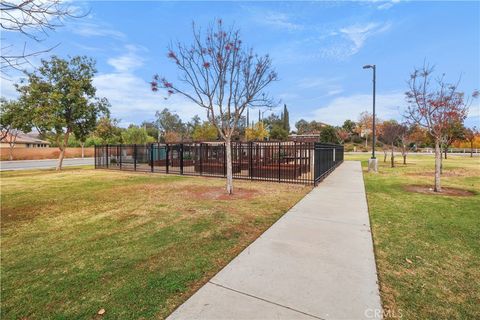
(318, 50)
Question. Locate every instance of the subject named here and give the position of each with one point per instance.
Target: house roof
(27, 138)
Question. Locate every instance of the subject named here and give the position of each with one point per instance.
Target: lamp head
(367, 66)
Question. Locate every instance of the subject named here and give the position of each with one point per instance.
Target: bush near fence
(43, 153)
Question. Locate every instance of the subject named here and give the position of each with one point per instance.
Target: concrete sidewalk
(317, 261)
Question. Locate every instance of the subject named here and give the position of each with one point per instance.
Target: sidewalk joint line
(268, 301)
(332, 221)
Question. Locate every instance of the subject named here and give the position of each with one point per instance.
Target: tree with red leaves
(434, 104)
(221, 76)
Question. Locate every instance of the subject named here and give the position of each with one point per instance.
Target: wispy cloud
(359, 33)
(87, 29)
(280, 20)
(384, 5)
(130, 95)
(326, 86)
(129, 61)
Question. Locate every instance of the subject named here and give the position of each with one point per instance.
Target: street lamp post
(372, 162)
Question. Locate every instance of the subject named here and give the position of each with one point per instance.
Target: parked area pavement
(43, 164)
(316, 262)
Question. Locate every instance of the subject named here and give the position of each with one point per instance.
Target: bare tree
(33, 19)
(223, 77)
(433, 104)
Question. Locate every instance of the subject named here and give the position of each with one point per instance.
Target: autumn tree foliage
(364, 125)
(221, 75)
(404, 139)
(342, 135)
(453, 131)
(391, 133)
(434, 103)
(205, 132)
(469, 135)
(257, 132)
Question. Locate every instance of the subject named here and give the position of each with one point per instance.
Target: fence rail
(290, 162)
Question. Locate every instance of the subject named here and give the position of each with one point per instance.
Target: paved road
(316, 262)
(42, 164)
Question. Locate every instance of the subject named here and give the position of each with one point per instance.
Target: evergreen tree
(286, 119)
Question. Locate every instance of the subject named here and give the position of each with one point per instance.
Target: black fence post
(200, 159)
(250, 159)
(167, 157)
(134, 157)
(279, 165)
(151, 157)
(120, 159)
(106, 155)
(224, 159)
(181, 158)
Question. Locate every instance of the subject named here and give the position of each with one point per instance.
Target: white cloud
(327, 86)
(86, 29)
(388, 106)
(128, 61)
(132, 100)
(280, 20)
(387, 4)
(358, 34)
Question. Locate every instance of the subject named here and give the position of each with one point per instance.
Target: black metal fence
(290, 162)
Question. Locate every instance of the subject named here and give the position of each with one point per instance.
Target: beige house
(25, 141)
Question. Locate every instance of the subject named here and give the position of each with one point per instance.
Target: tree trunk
(441, 159)
(10, 152)
(384, 155)
(11, 143)
(392, 158)
(62, 148)
(366, 142)
(438, 165)
(445, 151)
(471, 149)
(83, 153)
(405, 159)
(228, 150)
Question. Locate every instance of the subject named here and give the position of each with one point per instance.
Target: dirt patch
(218, 193)
(446, 191)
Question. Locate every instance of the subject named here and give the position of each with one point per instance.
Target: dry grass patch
(134, 244)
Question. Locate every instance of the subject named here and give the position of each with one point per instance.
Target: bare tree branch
(32, 19)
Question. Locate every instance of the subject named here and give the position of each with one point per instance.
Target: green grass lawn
(427, 246)
(134, 244)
